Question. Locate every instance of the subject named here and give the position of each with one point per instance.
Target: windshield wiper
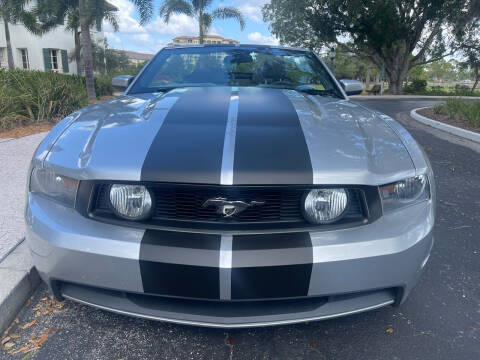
(313, 91)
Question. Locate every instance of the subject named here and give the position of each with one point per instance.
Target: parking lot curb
(19, 279)
(466, 134)
(409, 97)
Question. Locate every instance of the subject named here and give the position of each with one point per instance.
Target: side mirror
(351, 87)
(121, 83)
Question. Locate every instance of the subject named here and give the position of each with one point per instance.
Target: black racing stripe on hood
(268, 282)
(188, 147)
(270, 144)
(180, 280)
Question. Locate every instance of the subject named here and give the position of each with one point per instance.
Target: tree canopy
(394, 34)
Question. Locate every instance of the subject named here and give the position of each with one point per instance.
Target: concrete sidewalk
(18, 276)
(15, 156)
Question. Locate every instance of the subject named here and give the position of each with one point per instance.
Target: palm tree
(145, 9)
(198, 10)
(101, 11)
(83, 14)
(12, 12)
(54, 13)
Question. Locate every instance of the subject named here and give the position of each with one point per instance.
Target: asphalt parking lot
(440, 319)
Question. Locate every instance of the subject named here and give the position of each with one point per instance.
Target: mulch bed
(22, 131)
(461, 123)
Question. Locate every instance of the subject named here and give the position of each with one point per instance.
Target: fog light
(132, 202)
(324, 206)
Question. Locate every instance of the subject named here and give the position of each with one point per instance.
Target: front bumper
(349, 271)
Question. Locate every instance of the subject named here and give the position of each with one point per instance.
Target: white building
(49, 52)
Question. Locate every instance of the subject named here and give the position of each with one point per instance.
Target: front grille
(176, 204)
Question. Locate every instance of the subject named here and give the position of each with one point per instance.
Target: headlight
(405, 192)
(324, 206)
(55, 186)
(132, 202)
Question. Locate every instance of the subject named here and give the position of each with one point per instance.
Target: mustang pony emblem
(228, 208)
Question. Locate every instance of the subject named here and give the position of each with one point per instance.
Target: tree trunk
(78, 48)
(11, 64)
(87, 57)
(396, 77)
(200, 25)
(367, 79)
(475, 84)
(477, 78)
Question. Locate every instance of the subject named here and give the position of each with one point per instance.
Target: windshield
(234, 66)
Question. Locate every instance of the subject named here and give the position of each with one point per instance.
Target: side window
(23, 59)
(55, 60)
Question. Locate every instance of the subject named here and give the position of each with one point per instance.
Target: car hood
(225, 135)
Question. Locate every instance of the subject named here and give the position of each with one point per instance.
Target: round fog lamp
(324, 206)
(132, 202)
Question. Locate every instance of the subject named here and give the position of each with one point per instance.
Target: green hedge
(35, 97)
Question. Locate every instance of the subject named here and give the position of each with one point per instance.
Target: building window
(23, 57)
(56, 60)
(3, 57)
(189, 41)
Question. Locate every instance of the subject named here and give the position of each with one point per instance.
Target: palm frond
(51, 13)
(11, 10)
(112, 18)
(170, 7)
(73, 20)
(145, 9)
(29, 20)
(201, 5)
(228, 12)
(101, 10)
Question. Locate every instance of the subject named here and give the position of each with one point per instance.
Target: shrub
(461, 109)
(416, 86)
(462, 90)
(37, 97)
(10, 109)
(103, 85)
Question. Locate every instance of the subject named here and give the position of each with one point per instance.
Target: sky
(151, 37)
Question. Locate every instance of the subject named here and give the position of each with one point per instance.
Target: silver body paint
(108, 139)
(347, 144)
(226, 176)
(66, 245)
(225, 265)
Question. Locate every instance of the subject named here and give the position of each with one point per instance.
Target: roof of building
(133, 55)
(111, 6)
(206, 36)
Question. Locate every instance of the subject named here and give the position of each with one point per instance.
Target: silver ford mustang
(231, 186)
